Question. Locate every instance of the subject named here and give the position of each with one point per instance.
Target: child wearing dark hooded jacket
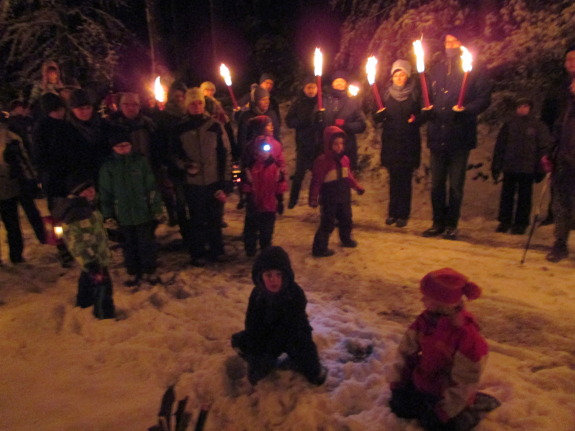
(263, 184)
(441, 359)
(330, 187)
(276, 322)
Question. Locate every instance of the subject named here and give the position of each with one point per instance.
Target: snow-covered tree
(82, 36)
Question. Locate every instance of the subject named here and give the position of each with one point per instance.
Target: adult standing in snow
(452, 133)
(300, 117)
(344, 112)
(561, 163)
(400, 140)
(200, 154)
(276, 322)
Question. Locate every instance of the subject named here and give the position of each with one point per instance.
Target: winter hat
(447, 286)
(309, 79)
(207, 85)
(256, 126)
(401, 65)
(51, 102)
(329, 134)
(265, 76)
(523, 101)
(194, 94)
(340, 74)
(259, 93)
(78, 182)
(569, 49)
(272, 258)
(459, 32)
(79, 97)
(118, 136)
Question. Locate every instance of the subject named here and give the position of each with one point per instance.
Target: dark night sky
(185, 29)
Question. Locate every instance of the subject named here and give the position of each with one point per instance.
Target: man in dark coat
(276, 321)
(344, 112)
(561, 163)
(300, 117)
(452, 133)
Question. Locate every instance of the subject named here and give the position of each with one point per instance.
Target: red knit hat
(447, 286)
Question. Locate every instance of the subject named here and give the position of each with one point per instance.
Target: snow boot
(558, 251)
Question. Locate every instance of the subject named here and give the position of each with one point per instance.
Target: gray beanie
(401, 65)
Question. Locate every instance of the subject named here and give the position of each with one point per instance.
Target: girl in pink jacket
(263, 184)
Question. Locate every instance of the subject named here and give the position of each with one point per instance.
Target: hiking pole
(537, 213)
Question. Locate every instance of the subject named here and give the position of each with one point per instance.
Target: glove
(111, 223)
(281, 208)
(360, 191)
(339, 122)
(380, 115)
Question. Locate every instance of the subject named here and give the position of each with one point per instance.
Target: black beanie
(340, 74)
(78, 182)
(51, 102)
(569, 49)
(119, 136)
(259, 93)
(459, 32)
(79, 97)
(265, 76)
(309, 79)
(272, 258)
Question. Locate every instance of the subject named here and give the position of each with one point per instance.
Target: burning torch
(353, 90)
(419, 55)
(159, 93)
(370, 69)
(225, 72)
(318, 66)
(466, 64)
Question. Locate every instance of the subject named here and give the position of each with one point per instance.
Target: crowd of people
(136, 166)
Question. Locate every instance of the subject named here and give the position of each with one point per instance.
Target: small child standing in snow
(263, 183)
(128, 197)
(276, 322)
(442, 358)
(85, 237)
(521, 143)
(331, 184)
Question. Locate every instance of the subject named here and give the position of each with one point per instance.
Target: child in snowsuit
(263, 184)
(128, 197)
(331, 184)
(85, 236)
(276, 322)
(521, 143)
(442, 357)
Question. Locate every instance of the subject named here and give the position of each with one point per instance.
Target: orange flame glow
(419, 55)
(370, 69)
(317, 62)
(225, 72)
(466, 59)
(159, 92)
(353, 90)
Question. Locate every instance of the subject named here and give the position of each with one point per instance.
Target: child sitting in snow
(442, 357)
(330, 186)
(276, 322)
(85, 237)
(128, 197)
(263, 185)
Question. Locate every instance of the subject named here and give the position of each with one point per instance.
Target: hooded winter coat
(332, 178)
(264, 173)
(444, 356)
(42, 86)
(300, 117)
(273, 320)
(128, 190)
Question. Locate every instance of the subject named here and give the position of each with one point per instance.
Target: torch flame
(466, 59)
(317, 62)
(370, 69)
(159, 92)
(419, 55)
(58, 231)
(225, 72)
(353, 89)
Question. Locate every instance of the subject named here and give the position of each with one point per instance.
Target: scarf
(401, 93)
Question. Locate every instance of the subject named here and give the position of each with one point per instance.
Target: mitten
(360, 191)
(380, 115)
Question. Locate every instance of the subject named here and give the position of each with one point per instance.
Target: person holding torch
(457, 98)
(400, 139)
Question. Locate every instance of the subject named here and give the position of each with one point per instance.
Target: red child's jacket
(332, 177)
(264, 173)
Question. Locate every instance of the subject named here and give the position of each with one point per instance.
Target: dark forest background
(107, 44)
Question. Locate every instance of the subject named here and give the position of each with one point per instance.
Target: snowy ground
(63, 370)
